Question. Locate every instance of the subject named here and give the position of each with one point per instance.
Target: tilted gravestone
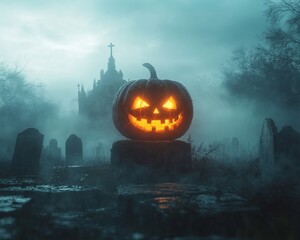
(288, 145)
(74, 150)
(267, 147)
(27, 152)
(278, 150)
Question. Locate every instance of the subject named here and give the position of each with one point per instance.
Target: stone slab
(165, 155)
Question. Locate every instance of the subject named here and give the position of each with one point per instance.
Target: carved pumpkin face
(152, 109)
(158, 119)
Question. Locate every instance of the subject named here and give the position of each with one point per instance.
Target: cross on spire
(111, 46)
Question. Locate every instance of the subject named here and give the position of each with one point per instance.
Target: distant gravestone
(100, 152)
(288, 145)
(225, 149)
(74, 150)
(53, 153)
(267, 146)
(27, 152)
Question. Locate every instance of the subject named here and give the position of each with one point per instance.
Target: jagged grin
(158, 126)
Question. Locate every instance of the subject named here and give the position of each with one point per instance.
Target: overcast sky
(63, 43)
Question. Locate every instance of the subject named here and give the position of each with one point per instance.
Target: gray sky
(63, 43)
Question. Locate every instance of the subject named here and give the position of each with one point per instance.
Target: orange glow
(156, 125)
(170, 103)
(139, 103)
(165, 202)
(156, 111)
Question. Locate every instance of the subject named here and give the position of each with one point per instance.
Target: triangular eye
(170, 103)
(139, 103)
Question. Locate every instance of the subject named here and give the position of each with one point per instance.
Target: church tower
(96, 104)
(81, 99)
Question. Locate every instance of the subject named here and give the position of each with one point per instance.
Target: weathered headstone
(288, 145)
(100, 152)
(27, 152)
(225, 149)
(267, 146)
(53, 153)
(74, 150)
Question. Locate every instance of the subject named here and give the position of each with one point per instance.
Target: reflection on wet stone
(12, 203)
(5, 225)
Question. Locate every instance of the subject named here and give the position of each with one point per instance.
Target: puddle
(5, 182)
(164, 189)
(12, 203)
(168, 196)
(6, 223)
(50, 188)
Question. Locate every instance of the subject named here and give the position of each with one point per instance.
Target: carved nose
(155, 111)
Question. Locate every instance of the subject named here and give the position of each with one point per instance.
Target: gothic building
(96, 104)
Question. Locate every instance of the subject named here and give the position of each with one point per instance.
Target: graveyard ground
(213, 201)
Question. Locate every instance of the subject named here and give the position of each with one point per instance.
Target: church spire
(111, 61)
(81, 99)
(111, 64)
(111, 46)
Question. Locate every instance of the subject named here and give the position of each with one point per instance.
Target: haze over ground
(61, 44)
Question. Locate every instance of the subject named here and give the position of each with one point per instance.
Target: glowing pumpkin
(152, 109)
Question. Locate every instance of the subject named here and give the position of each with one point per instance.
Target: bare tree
(22, 105)
(269, 74)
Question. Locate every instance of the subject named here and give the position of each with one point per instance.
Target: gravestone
(27, 152)
(74, 150)
(225, 149)
(267, 146)
(288, 145)
(53, 153)
(100, 152)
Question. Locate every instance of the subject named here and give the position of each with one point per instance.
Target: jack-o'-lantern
(152, 109)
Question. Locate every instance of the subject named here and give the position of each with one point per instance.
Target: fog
(62, 44)
(68, 42)
(67, 71)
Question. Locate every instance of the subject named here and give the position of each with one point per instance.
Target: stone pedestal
(163, 155)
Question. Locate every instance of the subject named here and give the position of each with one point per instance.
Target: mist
(182, 40)
(217, 154)
(187, 42)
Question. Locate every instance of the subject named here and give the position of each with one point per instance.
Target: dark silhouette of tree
(22, 105)
(269, 74)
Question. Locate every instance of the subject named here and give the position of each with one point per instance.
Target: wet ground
(32, 209)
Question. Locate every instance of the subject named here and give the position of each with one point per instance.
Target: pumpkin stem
(151, 69)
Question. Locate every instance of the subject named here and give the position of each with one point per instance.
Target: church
(96, 104)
